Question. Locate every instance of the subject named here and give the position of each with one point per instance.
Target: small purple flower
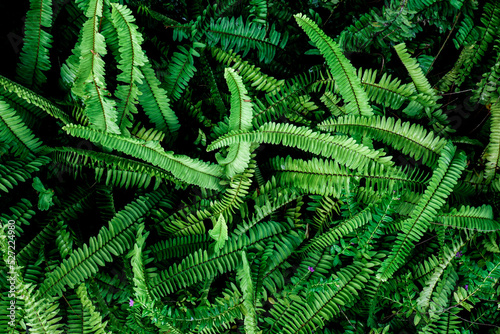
(311, 269)
(131, 302)
(466, 286)
(459, 254)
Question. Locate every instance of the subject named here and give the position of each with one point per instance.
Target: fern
(340, 147)
(34, 58)
(86, 260)
(411, 139)
(131, 59)
(181, 70)
(240, 120)
(240, 36)
(200, 173)
(339, 290)
(493, 149)
(15, 133)
(248, 296)
(248, 72)
(155, 103)
(344, 73)
(308, 192)
(443, 180)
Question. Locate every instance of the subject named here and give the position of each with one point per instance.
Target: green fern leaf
(90, 83)
(131, 58)
(234, 34)
(14, 132)
(411, 139)
(469, 218)
(155, 102)
(492, 152)
(444, 178)
(219, 233)
(186, 169)
(344, 73)
(34, 59)
(449, 254)
(247, 288)
(249, 73)
(181, 69)
(240, 119)
(344, 149)
(112, 240)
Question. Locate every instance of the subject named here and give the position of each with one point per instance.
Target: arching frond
(240, 119)
(343, 149)
(14, 132)
(411, 139)
(186, 169)
(131, 59)
(344, 73)
(492, 152)
(34, 58)
(239, 36)
(90, 83)
(155, 102)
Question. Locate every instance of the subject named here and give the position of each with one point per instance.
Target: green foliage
(219, 167)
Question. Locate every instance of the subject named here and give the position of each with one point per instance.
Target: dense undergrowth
(250, 166)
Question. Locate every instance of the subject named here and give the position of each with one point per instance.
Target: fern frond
(92, 318)
(259, 11)
(456, 76)
(247, 288)
(423, 86)
(113, 240)
(323, 211)
(387, 91)
(444, 178)
(131, 58)
(331, 101)
(239, 36)
(344, 73)
(14, 132)
(338, 291)
(117, 171)
(202, 265)
(344, 149)
(492, 152)
(186, 169)
(318, 176)
(142, 275)
(249, 73)
(179, 246)
(411, 139)
(449, 254)
(14, 171)
(469, 218)
(190, 222)
(208, 319)
(181, 69)
(240, 119)
(90, 83)
(34, 59)
(41, 313)
(421, 83)
(336, 232)
(289, 99)
(155, 102)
